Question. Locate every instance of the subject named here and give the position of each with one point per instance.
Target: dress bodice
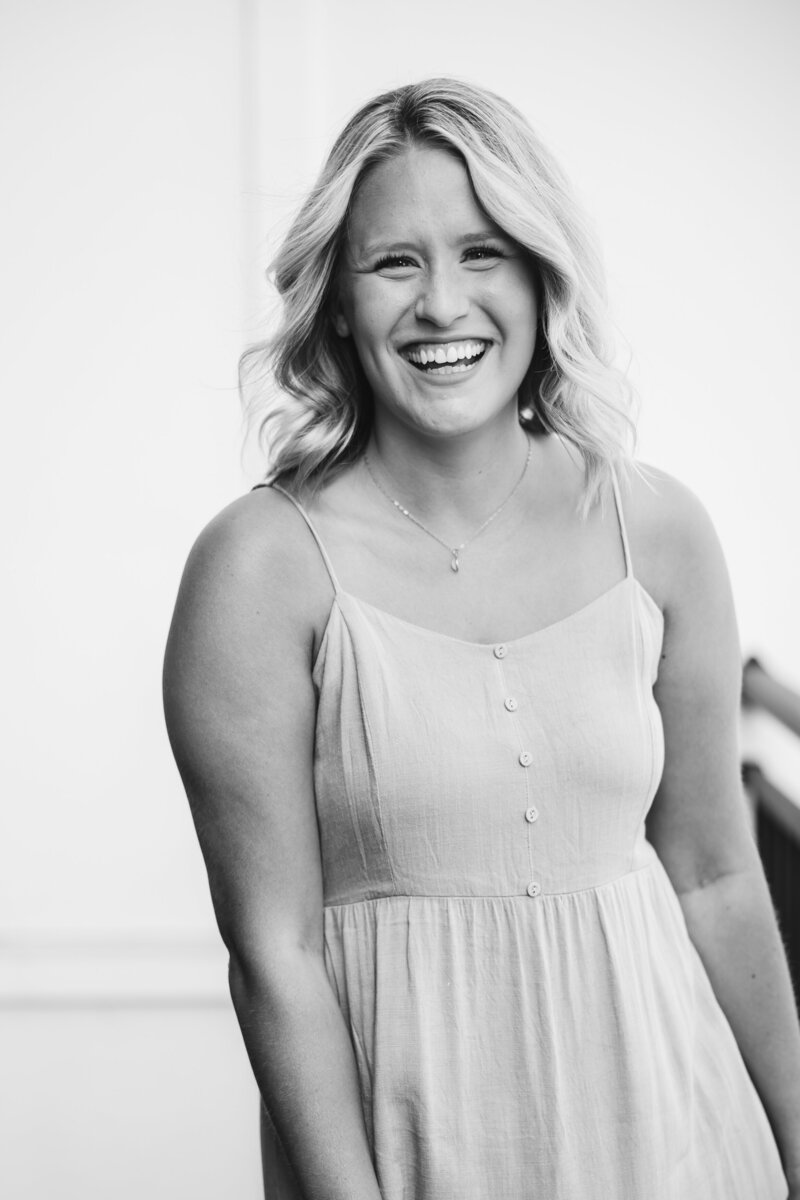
(447, 767)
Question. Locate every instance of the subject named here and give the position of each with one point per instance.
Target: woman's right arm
(240, 711)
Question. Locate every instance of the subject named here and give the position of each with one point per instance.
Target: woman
(424, 690)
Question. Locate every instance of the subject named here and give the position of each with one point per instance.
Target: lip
(443, 341)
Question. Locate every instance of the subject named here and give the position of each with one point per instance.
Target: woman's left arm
(699, 824)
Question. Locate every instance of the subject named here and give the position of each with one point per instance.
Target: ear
(340, 323)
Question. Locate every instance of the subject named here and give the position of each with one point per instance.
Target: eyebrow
(482, 235)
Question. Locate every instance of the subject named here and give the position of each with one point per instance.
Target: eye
(394, 261)
(484, 253)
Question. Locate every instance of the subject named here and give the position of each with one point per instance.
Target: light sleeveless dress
(529, 1018)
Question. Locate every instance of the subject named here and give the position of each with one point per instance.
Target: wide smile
(445, 358)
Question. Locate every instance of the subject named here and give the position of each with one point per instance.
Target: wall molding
(112, 969)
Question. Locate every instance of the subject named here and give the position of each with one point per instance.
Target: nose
(442, 299)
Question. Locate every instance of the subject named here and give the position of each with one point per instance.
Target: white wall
(121, 326)
(129, 1104)
(151, 152)
(120, 323)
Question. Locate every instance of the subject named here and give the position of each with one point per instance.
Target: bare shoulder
(254, 559)
(248, 619)
(674, 547)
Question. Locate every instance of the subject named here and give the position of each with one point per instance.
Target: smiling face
(440, 303)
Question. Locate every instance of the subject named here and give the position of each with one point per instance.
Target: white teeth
(451, 352)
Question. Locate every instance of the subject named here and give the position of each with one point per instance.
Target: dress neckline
(425, 630)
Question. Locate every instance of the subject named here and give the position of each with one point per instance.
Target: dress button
(533, 889)
(511, 704)
(500, 651)
(526, 758)
(531, 815)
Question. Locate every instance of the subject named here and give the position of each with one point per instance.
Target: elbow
(703, 869)
(712, 872)
(699, 883)
(724, 895)
(275, 976)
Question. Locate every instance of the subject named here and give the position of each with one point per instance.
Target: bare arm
(699, 824)
(240, 711)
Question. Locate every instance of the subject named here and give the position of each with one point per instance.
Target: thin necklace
(454, 551)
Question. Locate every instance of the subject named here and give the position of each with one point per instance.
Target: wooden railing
(777, 814)
(760, 690)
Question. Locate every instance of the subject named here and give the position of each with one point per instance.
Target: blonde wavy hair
(304, 390)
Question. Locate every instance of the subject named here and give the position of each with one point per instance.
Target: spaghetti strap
(276, 487)
(622, 529)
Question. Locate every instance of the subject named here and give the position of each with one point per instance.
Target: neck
(450, 478)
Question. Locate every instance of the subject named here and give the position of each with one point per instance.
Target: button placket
(525, 759)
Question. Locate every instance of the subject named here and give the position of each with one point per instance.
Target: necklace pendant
(454, 550)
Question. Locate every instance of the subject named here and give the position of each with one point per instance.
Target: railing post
(777, 816)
